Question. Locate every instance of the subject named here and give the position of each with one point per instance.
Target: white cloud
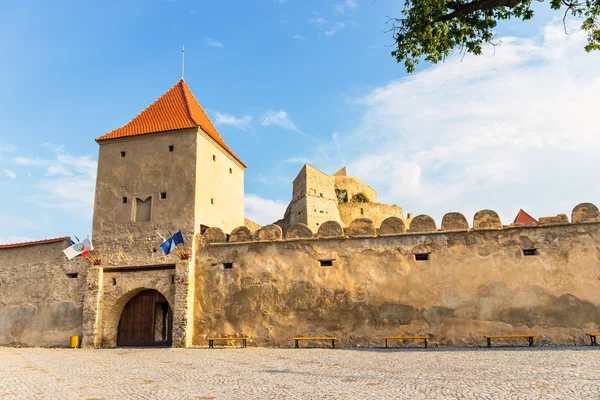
(29, 162)
(318, 21)
(279, 118)
(299, 37)
(344, 6)
(328, 28)
(7, 147)
(10, 174)
(15, 239)
(516, 129)
(68, 184)
(228, 119)
(300, 160)
(213, 43)
(263, 211)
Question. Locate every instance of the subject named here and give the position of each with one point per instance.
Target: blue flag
(172, 242)
(177, 238)
(168, 246)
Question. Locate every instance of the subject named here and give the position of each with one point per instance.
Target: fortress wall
(475, 282)
(135, 246)
(353, 186)
(39, 304)
(321, 201)
(376, 212)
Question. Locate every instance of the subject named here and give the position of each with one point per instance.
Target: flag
(78, 249)
(178, 238)
(168, 246)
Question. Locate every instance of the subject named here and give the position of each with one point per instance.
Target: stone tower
(167, 169)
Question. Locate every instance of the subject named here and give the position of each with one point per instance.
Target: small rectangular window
(230, 171)
(212, 201)
(114, 281)
(171, 148)
(422, 257)
(326, 263)
(214, 158)
(122, 154)
(227, 265)
(72, 276)
(124, 200)
(530, 252)
(163, 195)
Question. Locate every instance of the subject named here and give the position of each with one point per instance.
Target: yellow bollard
(74, 342)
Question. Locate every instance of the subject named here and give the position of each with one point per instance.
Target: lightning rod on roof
(182, 60)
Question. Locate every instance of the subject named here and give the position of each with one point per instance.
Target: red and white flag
(79, 249)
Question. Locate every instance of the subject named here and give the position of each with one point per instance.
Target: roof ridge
(33, 242)
(199, 106)
(181, 82)
(138, 114)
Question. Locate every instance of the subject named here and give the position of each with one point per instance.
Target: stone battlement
(419, 225)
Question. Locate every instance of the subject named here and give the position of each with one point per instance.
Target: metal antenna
(182, 61)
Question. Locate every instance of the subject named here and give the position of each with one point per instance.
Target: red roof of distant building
(524, 218)
(33, 243)
(174, 110)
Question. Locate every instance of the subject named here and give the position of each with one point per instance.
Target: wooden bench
(593, 337)
(211, 340)
(528, 337)
(333, 339)
(424, 338)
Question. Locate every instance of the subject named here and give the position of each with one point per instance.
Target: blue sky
(288, 82)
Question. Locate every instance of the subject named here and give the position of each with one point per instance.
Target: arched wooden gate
(146, 320)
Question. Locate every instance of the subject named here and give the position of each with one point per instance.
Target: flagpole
(187, 253)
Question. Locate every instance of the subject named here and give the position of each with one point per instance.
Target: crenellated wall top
(419, 225)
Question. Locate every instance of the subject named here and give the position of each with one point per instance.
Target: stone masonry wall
(475, 282)
(376, 212)
(40, 305)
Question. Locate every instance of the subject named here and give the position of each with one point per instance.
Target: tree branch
(478, 5)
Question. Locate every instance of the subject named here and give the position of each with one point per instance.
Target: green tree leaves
(431, 29)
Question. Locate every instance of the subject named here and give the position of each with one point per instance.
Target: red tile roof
(174, 110)
(524, 218)
(36, 242)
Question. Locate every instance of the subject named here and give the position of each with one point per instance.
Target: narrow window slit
(326, 263)
(71, 276)
(227, 265)
(531, 252)
(422, 257)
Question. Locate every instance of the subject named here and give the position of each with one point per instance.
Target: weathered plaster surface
(39, 304)
(474, 283)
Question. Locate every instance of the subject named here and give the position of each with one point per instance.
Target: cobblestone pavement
(256, 373)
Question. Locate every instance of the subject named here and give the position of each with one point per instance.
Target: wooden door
(137, 324)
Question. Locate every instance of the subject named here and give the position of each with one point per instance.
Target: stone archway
(145, 310)
(146, 320)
